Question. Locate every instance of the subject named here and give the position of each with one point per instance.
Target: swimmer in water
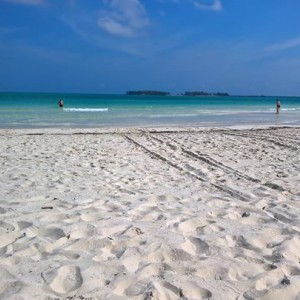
(277, 106)
(60, 103)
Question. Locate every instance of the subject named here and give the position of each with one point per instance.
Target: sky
(242, 47)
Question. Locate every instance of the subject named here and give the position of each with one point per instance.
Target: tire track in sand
(185, 155)
(213, 162)
(224, 188)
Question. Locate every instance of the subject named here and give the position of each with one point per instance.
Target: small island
(151, 93)
(161, 93)
(206, 94)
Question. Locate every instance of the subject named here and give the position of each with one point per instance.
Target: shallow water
(38, 110)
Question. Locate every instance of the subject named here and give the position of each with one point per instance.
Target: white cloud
(114, 27)
(26, 2)
(216, 5)
(124, 18)
(284, 45)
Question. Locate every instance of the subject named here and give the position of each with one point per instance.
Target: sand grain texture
(150, 214)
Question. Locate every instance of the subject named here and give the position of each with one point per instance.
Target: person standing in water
(60, 103)
(277, 106)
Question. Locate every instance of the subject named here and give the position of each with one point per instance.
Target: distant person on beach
(277, 106)
(60, 103)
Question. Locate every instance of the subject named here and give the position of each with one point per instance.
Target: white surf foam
(85, 109)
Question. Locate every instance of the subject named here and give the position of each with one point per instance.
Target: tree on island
(152, 93)
(160, 93)
(205, 94)
(221, 94)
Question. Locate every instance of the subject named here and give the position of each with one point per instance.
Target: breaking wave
(85, 109)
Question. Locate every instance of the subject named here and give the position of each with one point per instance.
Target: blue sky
(249, 47)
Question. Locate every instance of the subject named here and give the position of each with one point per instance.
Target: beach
(150, 213)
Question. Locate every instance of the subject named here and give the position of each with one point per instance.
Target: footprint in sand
(165, 290)
(6, 226)
(195, 246)
(10, 288)
(244, 271)
(158, 253)
(2, 210)
(191, 290)
(274, 286)
(51, 234)
(152, 269)
(208, 229)
(24, 224)
(64, 280)
(190, 226)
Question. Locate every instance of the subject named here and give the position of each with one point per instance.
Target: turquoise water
(40, 110)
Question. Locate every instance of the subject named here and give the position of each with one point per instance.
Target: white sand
(150, 214)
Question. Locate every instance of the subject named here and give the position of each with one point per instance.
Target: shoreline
(150, 213)
(132, 129)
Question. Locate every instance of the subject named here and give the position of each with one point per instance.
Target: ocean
(41, 110)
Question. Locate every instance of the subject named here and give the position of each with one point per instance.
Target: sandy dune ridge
(150, 213)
